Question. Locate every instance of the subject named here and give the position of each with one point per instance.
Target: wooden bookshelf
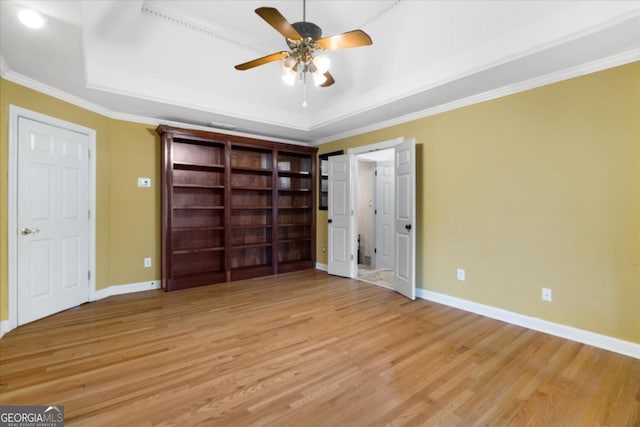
(234, 208)
(295, 233)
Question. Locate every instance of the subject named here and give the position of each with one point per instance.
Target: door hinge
(89, 274)
(89, 214)
(375, 250)
(89, 154)
(375, 211)
(376, 173)
(352, 212)
(351, 257)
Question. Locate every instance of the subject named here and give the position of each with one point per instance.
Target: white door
(52, 219)
(405, 167)
(384, 213)
(340, 216)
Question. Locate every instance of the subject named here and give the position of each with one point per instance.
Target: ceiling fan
(304, 39)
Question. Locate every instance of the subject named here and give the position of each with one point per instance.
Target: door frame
(383, 145)
(15, 113)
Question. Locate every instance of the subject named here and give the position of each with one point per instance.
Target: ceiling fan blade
(262, 61)
(277, 21)
(355, 38)
(330, 80)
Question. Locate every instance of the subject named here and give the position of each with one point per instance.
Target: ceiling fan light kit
(304, 39)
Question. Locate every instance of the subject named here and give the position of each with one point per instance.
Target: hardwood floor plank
(307, 349)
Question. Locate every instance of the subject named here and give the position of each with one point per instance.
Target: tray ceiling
(173, 60)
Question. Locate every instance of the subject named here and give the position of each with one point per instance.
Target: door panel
(53, 224)
(70, 253)
(385, 250)
(339, 216)
(405, 219)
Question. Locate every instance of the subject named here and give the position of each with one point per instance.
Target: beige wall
(127, 217)
(537, 189)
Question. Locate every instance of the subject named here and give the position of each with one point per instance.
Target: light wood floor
(307, 349)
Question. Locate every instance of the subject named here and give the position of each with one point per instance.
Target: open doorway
(375, 217)
(343, 216)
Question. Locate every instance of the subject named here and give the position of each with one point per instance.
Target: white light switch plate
(144, 182)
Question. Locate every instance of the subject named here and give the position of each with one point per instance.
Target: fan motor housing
(308, 29)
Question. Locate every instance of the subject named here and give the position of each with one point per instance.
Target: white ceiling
(173, 60)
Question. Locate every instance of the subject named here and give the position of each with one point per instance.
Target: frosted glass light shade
(31, 19)
(322, 63)
(289, 77)
(318, 78)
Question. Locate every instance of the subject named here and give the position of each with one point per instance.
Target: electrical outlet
(460, 274)
(144, 182)
(147, 262)
(546, 294)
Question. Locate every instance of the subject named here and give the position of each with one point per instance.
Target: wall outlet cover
(460, 275)
(144, 182)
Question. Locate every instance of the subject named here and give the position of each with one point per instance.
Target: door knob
(408, 227)
(329, 220)
(26, 231)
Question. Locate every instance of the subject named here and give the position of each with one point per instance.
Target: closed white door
(341, 258)
(53, 219)
(405, 212)
(384, 213)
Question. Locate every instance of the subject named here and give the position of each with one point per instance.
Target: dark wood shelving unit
(295, 233)
(234, 208)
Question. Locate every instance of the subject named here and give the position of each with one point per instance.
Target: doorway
(343, 187)
(51, 215)
(375, 217)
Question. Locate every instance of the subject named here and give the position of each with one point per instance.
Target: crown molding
(4, 69)
(611, 23)
(623, 58)
(167, 13)
(38, 86)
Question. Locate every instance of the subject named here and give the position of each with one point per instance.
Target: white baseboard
(5, 326)
(124, 289)
(591, 338)
(323, 267)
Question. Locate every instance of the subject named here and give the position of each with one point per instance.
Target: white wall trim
(623, 58)
(376, 146)
(15, 113)
(557, 76)
(124, 289)
(323, 267)
(30, 83)
(95, 295)
(5, 327)
(574, 334)
(4, 68)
